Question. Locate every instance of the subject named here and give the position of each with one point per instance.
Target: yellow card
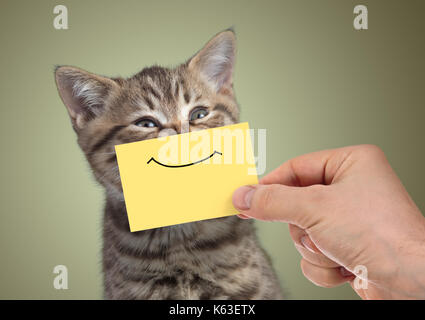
(185, 177)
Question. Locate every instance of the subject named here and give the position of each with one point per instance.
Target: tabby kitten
(212, 259)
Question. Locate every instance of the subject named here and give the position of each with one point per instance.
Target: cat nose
(167, 132)
(174, 128)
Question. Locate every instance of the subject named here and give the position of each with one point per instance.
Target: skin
(345, 207)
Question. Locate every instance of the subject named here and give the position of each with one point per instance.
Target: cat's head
(155, 102)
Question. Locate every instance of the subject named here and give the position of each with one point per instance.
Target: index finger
(318, 167)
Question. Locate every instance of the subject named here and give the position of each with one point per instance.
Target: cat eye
(198, 113)
(146, 123)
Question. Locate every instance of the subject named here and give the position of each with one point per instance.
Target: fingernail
(306, 243)
(242, 197)
(345, 272)
(242, 216)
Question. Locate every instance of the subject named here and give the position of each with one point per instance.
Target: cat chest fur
(213, 259)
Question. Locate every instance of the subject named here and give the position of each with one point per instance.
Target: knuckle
(266, 198)
(296, 234)
(327, 282)
(321, 280)
(324, 261)
(318, 190)
(318, 194)
(372, 150)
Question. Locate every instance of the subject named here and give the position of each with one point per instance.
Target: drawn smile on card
(184, 165)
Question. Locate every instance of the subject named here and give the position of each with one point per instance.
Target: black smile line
(184, 165)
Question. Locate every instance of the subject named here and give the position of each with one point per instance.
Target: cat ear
(83, 93)
(215, 61)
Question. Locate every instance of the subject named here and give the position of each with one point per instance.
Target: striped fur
(212, 259)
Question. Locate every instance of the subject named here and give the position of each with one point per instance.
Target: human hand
(345, 208)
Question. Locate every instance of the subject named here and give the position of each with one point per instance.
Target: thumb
(275, 202)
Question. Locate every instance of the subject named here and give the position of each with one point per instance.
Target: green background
(302, 72)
